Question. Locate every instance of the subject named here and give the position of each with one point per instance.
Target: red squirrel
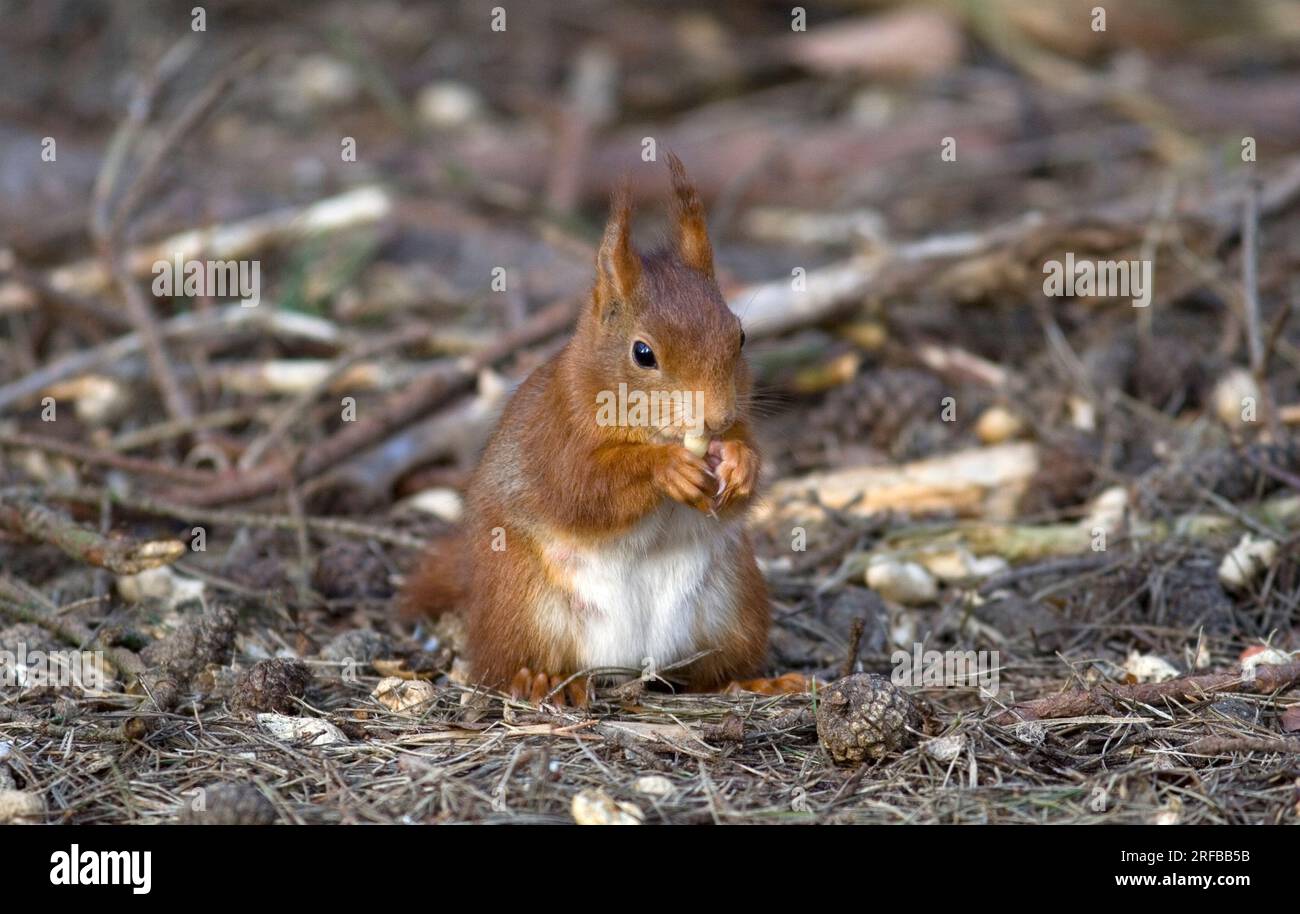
(589, 543)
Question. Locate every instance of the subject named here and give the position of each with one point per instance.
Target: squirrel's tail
(436, 584)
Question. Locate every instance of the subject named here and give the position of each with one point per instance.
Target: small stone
(998, 424)
(654, 785)
(20, 807)
(1247, 561)
(311, 731)
(1169, 814)
(595, 807)
(397, 694)
(1030, 732)
(1236, 398)
(865, 716)
(944, 748)
(448, 104)
(901, 582)
(1149, 667)
(163, 584)
(319, 81)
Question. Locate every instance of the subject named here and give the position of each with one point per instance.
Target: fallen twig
(108, 221)
(1226, 745)
(25, 516)
(1267, 678)
(189, 513)
(284, 422)
(136, 466)
(22, 603)
(980, 481)
(351, 209)
(423, 396)
(233, 318)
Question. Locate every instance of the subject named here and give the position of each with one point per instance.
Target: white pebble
(447, 104)
(310, 730)
(595, 807)
(1246, 561)
(901, 582)
(655, 785)
(1236, 397)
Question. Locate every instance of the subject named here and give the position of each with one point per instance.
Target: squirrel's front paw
(737, 467)
(686, 478)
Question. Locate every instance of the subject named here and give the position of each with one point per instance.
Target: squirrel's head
(659, 324)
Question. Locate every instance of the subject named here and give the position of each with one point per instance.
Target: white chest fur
(656, 594)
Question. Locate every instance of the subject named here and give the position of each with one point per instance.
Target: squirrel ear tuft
(618, 266)
(692, 230)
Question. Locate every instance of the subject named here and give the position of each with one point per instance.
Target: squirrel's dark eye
(643, 355)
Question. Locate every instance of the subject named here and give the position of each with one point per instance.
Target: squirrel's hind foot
(787, 684)
(536, 688)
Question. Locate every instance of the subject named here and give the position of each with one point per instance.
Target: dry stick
(1151, 241)
(145, 322)
(24, 515)
(855, 645)
(188, 513)
(1250, 304)
(134, 465)
(136, 115)
(1081, 702)
(302, 575)
(104, 224)
(422, 397)
(775, 307)
(108, 230)
(23, 603)
(190, 117)
(1226, 745)
(360, 206)
(71, 632)
(65, 300)
(1060, 74)
(284, 422)
(235, 317)
(1275, 331)
(172, 428)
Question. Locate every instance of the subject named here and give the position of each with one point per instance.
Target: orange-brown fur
(551, 479)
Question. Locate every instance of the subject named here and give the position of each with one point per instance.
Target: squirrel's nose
(718, 424)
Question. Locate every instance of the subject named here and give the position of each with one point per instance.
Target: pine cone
(865, 716)
(876, 406)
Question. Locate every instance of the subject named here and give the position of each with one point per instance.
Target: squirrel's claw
(786, 684)
(536, 688)
(737, 473)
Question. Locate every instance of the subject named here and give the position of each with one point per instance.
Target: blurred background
(498, 149)
(422, 185)
(419, 182)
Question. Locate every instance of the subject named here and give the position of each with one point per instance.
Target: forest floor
(1100, 502)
